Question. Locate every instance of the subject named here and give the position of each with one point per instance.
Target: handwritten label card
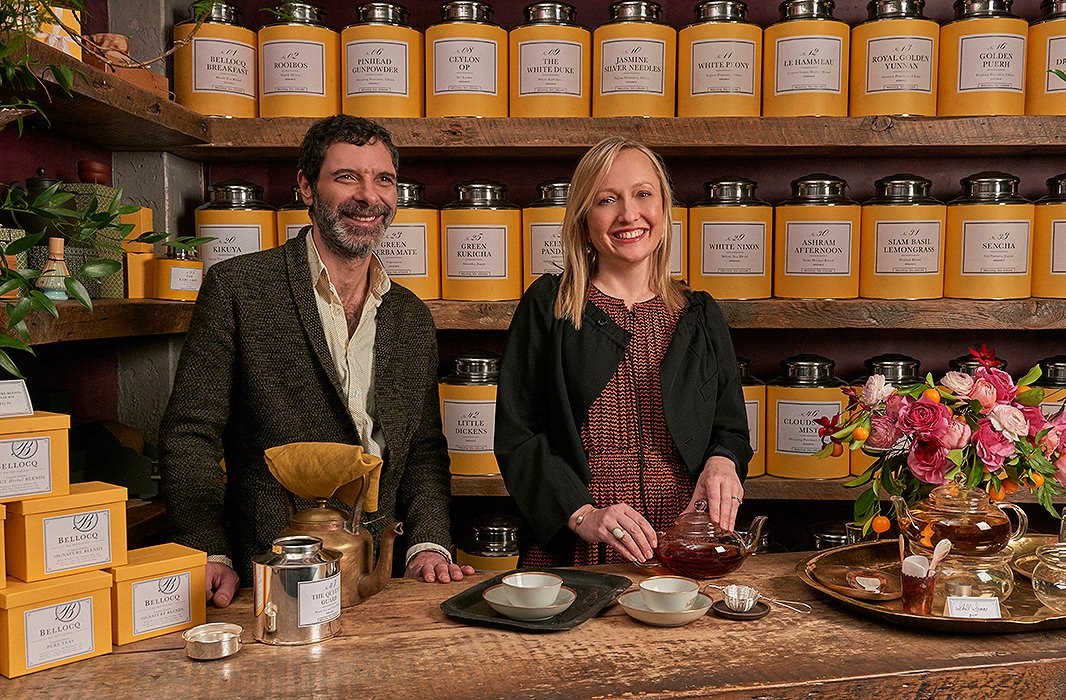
(973, 608)
(15, 399)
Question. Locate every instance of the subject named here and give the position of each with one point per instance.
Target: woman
(619, 402)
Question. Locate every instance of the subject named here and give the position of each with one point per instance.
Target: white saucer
(496, 597)
(633, 604)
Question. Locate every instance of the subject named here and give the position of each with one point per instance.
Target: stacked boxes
(159, 590)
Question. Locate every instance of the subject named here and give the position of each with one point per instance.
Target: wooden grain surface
(110, 318)
(400, 645)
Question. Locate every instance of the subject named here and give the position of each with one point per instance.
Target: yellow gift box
(53, 34)
(62, 535)
(52, 623)
(159, 590)
(34, 456)
(3, 574)
(142, 223)
(140, 275)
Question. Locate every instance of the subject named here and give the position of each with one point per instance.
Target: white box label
(995, 247)
(907, 247)
(25, 467)
(478, 252)
(973, 608)
(808, 64)
(15, 398)
(230, 241)
(78, 540)
(222, 65)
(294, 68)
(723, 67)
(815, 248)
(632, 65)
(546, 248)
(186, 279)
(319, 601)
(549, 68)
(752, 409)
(59, 632)
(797, 433)
(991, 62)
(376, 68)
(293, 230)
(677, 245)
(734, 248)
(1056, 59)
(464, 66)
(1058, 247)
(402, 250)
(162, 602)
(469, 425)
(899, 63)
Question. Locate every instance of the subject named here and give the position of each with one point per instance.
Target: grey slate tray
(595, 591)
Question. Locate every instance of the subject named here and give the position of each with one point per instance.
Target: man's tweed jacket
(256, 372)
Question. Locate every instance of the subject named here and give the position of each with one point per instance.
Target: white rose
(958, 383)
(1010, 421)
(876, 390)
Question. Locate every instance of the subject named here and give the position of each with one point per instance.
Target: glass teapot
(698, 547)
(966, 516)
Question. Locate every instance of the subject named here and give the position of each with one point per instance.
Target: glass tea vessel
(698, 547)
(1049, 576)
(966, 516)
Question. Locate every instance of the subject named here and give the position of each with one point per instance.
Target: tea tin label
(464, 66)
(294, 67)
(1058, 245)
(751, 408)
(161, 602)
(546, 248)
(469, 425)
(549, 68)
(376, 68)
(320, 601)
(1056, 59)
(58, 632)
(25, 467)
(223, 65)
(991, 62)
(723, 67)
(632, 65)
(808, 64)
(677, 244)
(78, 540)
(402, 250)
(995, 247)
(899, 63)
(186, 279)
(476, 252)
(734, 248)
(797, 432)
(230, 241)
(818, 248)
(907, 247)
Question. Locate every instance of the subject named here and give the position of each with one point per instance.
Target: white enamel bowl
(497, 599)
(633, 603)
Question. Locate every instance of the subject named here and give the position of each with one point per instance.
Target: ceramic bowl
(633, 603)
(498, 600)
(532, 589)
(668, 593)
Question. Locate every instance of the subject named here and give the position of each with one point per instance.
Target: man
(309, 342)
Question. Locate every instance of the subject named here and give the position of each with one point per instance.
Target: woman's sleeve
(729, 431)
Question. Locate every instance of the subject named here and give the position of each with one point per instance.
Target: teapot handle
(1023, 520)
(357, 507)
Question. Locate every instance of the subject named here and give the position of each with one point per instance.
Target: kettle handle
(357, 507)
(1023, 520)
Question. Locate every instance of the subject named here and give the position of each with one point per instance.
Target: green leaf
(957, 457)
(77, 290)
(44, 303)
(8, 341)
(18, 311)
(861, 479)
(1058, 73)
(1031, 376)
(826, 450)
(9, 366)
(21, 245)
(100, 268)
(13, 283)
(1032, 396)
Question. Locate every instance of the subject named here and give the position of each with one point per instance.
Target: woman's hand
(606, 524)
(720, 486)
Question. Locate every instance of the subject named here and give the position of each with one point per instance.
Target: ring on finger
(619, 533)
(737, 499)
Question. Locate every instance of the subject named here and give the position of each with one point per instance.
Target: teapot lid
(319, 514)
(956, 498)
(697, 524)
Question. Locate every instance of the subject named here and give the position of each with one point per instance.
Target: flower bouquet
(983, 431)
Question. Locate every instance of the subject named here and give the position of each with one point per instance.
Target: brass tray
(1024, 560)
(1023, 612)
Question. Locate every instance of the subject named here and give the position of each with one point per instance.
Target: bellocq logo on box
(68, 612)
(169, 585)
(86, 522)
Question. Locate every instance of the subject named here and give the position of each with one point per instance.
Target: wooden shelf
(767, 488)
(110, 318)
(946, 314)
(111, 112)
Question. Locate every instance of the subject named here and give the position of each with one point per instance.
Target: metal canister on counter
(1049, 240)
(493, 545)
(987, 252)
(794, 401)
(214, 72)
(755, 407)
(679, 240)
(299, 57)
(805, 72)
(719, 65)
(178, 275)
(466, 63)
(297, 586)
(816, 249)
(899, 371)
(967, 365)
(551, 63)
(383, 63)
(982, 60)
(730, 241)
(238, 220)
(292, 217)
(410, 249)
(482, 244)
(542, 224)
(1053, 382)
(634, 62)
(468, 412)
(901, 252)
(1045, 92)
(894, 60)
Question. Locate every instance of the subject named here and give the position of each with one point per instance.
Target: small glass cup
(853, 531)
(1049, 576)
(918, 594)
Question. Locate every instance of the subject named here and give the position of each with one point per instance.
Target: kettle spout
(751, 540)
(371, 583)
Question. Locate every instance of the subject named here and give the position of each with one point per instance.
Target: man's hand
(431, 566)
(221, 582)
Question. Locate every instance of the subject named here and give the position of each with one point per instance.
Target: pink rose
(876, 390)
(928, 461)
(1009, 420)
(894, 404)
(958, 383)
(1005, 388)
(984, 392)
(924, 417)
(1060, 469)
(992, 447)
(1035, 417)
(1050, 442)
(957, 435)
(883, 433)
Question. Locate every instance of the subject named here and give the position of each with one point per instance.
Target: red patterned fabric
(614, 438)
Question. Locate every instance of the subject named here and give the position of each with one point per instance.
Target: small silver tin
(215, 640)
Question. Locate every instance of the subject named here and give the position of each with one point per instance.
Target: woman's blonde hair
(579, 255)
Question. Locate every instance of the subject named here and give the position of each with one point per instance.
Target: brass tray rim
(898, 617)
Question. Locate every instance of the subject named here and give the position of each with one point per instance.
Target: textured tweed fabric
(255, 372)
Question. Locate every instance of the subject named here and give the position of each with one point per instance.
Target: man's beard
(338, 234)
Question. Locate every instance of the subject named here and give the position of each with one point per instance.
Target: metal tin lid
(297, 551)
(828, 535)
(1056, 189)
(903, 188)
(807, 9)
(494, 536)
(744, 370)
(550, 13)
(552, 193)
(1054, 371)
(297, 201)
(990, 186)
(480, 194)
(808, 370)
(466, 11)
(236, 194)
(966, 9)
(382, 13)
(896, 9)
(721, 11)
(730, 191)
(475, 367)
(899, 370)
(410, 194)
(818, 188)
(175, 253)
(300, 13)
(635, 11)
(1051, 9)
(967, 365)
(219, 13)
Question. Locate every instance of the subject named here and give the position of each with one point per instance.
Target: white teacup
(532, 589)
(668, 593)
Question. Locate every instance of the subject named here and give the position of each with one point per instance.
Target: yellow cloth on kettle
(313, 470)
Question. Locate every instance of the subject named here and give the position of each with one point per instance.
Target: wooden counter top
(400, 645)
